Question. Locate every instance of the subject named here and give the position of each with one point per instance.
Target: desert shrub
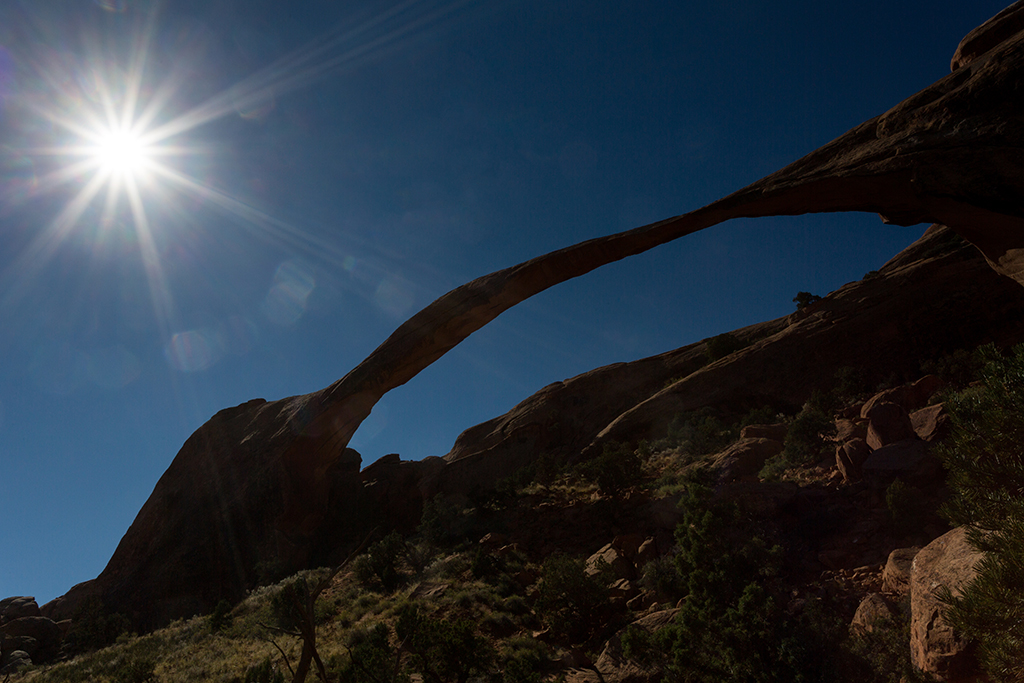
(418, 555)
(380, 562)
(93, 627)
(881, 655)
(734, 624)
(958, 368)
(906, 506)
(264, 672)
(758, 416)
(515, 604)
(984, 456)
(805, 442)
(372, 658)
(443, 522)
(617, 468)
(721, 346)
(699, 432)
(805, 299)
(220, 618)
(522, 660)
(443, 650)
(570, 601)
(135, 671)
(661, 576)
(850, 384)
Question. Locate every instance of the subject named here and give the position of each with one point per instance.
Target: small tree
(380, 562)
(571, 601)
(805, 299)
(372, 658)
(294, 609)
(443, 651)
(721, 346)
(985, 458)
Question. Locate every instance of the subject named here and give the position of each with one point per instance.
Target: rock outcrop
(26, 637)
(936, 648)
(254, 489)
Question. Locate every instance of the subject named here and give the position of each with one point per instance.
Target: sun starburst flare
(121, 144)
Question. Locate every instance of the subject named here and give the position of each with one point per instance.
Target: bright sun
(122, 152)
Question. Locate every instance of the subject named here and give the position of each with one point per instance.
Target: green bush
(372, 658)
(661, 576)
(443, 522)
(264, 672)
(571, 602)
(805, 442)
(618, 467)
(93, 627)
(984, 456)
(957, 369)
(135, 671)
(733, 624)
(522, 660)
(220, 618)
(881, 655)
(721, 346)
(699, 432)
(380, 562)
(442, 650)
(805, 299)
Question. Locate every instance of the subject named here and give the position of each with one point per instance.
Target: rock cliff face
(262, 487)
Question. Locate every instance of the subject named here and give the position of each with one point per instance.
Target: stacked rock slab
(26, 637)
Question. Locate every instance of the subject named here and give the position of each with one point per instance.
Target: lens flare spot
(193, 350)
(113, 368)
(394, 297)
(286, 301)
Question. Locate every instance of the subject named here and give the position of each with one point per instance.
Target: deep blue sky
(366, 158)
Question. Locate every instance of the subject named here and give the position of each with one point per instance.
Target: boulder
(621, 567)
(872, 612)
(647, 552)
(930, 423)
(24, 643)
(898, 395)
(14, 661)
(847, 429)
(922, 390)
(744, 458)
(775, 432)
(850, 458)
(19, 606)
(902, 458)
(896, 574)
(628, 544)
(44, 631)
(935, 647)
(888, 423)
(613, 667)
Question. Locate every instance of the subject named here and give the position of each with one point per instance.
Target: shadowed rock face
(254, 485)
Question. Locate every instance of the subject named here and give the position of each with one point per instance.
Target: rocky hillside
(274, 488)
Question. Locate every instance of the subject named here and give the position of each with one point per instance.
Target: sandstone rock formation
(268, 482)
(26, 637)
(886, 323)
(947, 562)
(896, 575)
